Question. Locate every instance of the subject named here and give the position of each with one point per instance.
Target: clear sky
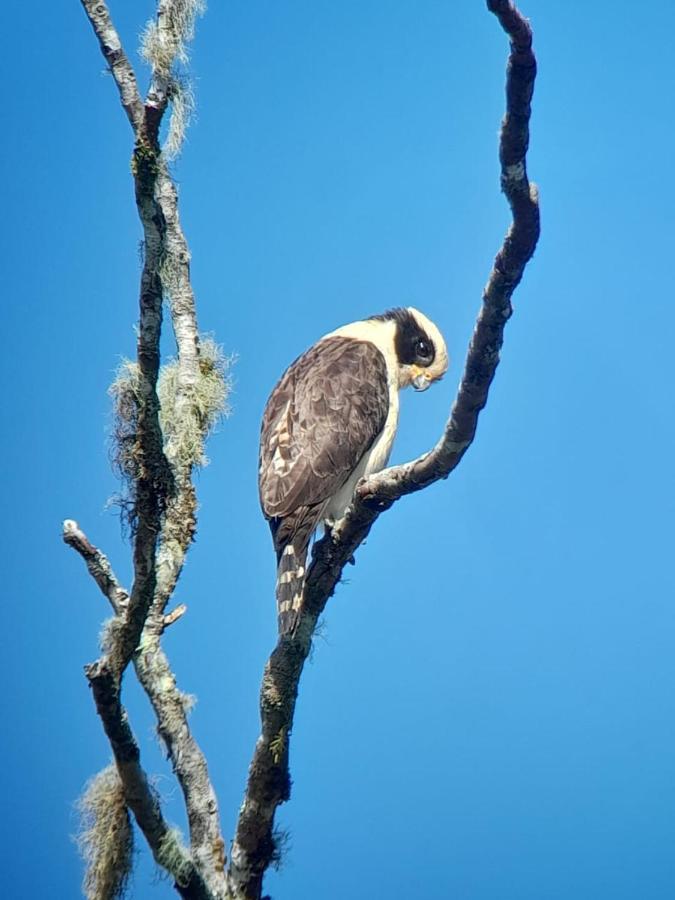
(492, 713)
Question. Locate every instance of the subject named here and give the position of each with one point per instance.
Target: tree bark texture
(165, 504)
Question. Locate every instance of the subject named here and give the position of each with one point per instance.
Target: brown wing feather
(324, 414)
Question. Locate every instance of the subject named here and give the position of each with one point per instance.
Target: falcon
(331, 421)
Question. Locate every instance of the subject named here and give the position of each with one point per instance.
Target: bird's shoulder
(322, 417)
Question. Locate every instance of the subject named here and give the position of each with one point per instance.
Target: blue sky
(491, 714)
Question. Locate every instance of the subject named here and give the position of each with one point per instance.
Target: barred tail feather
(290, 586)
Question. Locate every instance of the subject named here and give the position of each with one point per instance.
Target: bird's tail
(290, 585)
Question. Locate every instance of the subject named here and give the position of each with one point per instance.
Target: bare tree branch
(97, 564)
(140, 797)
(174, 615)
(153, 484)
(120, 67)
(269, 776)
(188, 761)
(189, 764)
(164, 511)
(164, 45)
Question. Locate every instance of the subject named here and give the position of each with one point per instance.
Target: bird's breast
(373, 460)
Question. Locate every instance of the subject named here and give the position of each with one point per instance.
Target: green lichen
(172, 856)
(278, 746)
(185, 434)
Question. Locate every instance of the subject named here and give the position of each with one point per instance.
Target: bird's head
(421, 353)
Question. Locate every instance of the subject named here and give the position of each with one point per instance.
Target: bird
(331, 420)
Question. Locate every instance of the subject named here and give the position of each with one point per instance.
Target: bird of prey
(330, 421)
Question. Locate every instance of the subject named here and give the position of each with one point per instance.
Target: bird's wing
(321, 418)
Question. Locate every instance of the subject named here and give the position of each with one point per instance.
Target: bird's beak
(420, 378)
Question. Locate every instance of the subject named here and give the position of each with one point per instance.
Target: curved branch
(516, 251)
(269, 776)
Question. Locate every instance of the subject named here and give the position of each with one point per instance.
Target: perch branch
(269, 777)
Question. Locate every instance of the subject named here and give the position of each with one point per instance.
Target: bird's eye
(424, 350)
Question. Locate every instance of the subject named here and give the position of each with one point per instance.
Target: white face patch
(381, 334)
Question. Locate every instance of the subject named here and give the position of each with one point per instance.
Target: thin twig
(269, 776)
(174, 615)
(98, 565)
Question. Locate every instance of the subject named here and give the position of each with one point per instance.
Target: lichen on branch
(157, 442)
(164, 46)
(185, 436)
(105, 838)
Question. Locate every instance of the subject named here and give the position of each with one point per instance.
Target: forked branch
(139, 796)
(168, 442)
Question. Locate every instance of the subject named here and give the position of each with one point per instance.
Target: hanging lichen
(105, 839)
